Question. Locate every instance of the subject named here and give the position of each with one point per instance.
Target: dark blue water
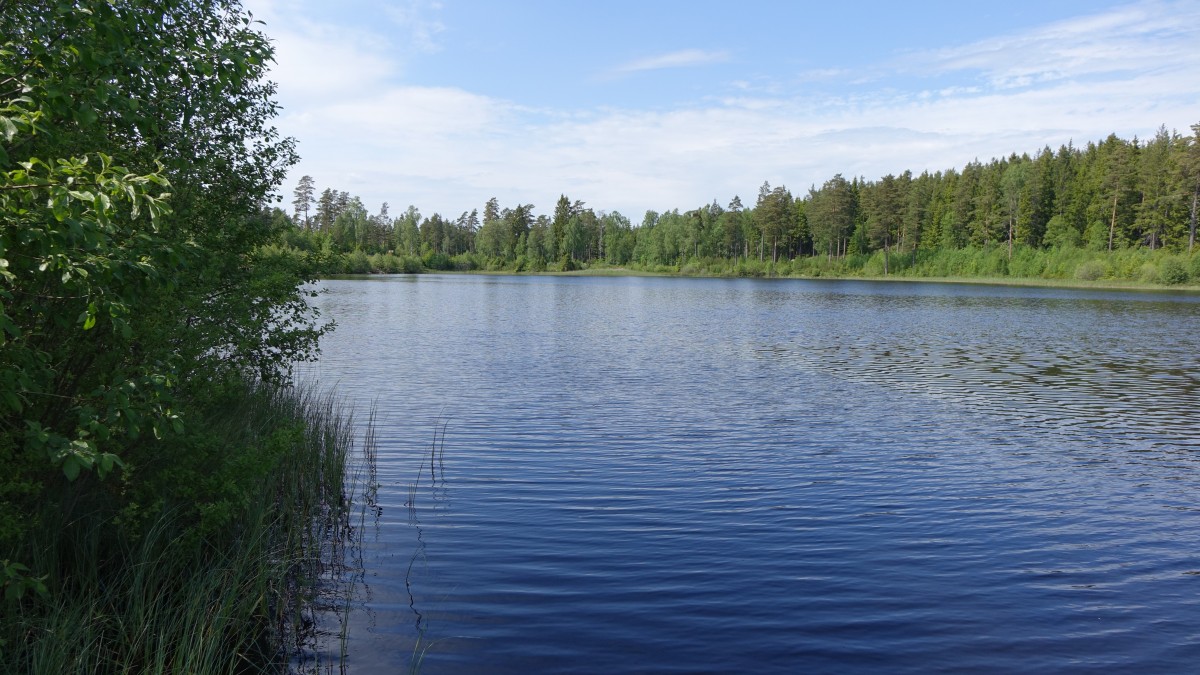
(674, 475)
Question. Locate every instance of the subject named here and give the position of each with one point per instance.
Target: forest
(1113, 209)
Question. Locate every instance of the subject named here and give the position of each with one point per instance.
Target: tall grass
(152, 590)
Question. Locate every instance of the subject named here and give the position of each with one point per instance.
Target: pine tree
(303, 199)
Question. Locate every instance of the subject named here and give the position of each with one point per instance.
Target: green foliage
(202, 571)
(1027, 263)
(16, 581)
(136, 283)
(437, 261)
(1061, 234)
(357, 263)
(1096, 236)
(1062, 262)
(1172, 271)
(130, 222)
(1091, 270)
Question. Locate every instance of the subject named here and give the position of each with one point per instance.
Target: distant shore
(1100, 284)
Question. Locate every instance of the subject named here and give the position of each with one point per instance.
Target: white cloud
(681, 59)
(449, 150)
(321, 64)
(413, 19)
(1140, 38)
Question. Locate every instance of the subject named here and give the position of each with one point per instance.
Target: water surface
(701, 475)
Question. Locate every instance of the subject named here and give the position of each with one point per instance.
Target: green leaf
(89, 316)
(86, 115)
(71, 467)
(106, 463)
(7, 128)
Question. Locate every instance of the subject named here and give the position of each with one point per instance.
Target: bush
(1028, 262)
(385, 263)
(1091, 270)
(1062, 262)
(466, 262)
(437, 261)
(358, 263)
(1132, 264)
(1171, 271)
(198, 562)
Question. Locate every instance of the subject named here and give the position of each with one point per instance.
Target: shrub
(358, 263)
(1028, 262)
(437, 261)
(1171, 271)
(1091, 270)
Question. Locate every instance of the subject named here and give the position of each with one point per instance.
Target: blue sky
(630, 106)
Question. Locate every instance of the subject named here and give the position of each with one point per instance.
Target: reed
(155, 589)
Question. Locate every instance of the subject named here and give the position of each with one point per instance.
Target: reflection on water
(578, 475)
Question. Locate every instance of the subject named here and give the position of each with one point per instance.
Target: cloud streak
(686, 58)
(413, 18)
(448, 150)
(1142, 38)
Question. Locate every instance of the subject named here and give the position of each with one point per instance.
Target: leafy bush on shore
(158, 470)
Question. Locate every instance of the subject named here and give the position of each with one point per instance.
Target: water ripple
(727, 476)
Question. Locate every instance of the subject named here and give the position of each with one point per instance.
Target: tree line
(1108, 195)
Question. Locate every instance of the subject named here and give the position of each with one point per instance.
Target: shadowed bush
(205, 560)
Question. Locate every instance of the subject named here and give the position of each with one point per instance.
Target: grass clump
(207, 559)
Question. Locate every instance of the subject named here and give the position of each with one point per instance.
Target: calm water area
(771, 476)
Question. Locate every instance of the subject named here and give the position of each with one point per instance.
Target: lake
(595, 474)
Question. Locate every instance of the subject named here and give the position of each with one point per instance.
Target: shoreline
(1027, 282)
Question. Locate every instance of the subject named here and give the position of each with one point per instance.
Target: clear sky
(657, 104)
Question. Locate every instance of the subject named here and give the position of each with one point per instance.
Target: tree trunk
(1010, 236)
(885, 256)
(1192, 224)
(1112, 227)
